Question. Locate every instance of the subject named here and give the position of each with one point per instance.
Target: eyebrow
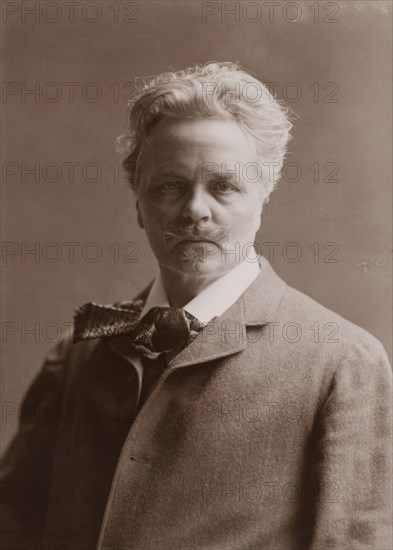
(167, 174)
(215, 175)
(222, 175)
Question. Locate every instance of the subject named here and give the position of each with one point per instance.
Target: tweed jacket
(270, 431)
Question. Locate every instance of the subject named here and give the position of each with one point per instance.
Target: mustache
(179, 231)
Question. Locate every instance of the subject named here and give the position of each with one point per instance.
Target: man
(206, 413)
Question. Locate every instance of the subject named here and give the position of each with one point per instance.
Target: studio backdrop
(69, 222)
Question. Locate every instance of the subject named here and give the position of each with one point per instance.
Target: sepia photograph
(196, 275)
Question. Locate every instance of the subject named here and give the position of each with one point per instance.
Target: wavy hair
(214, 90)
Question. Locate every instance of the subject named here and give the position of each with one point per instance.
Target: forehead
(188, 144)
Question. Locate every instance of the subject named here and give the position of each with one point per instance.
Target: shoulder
(351, 342)
(65, 359)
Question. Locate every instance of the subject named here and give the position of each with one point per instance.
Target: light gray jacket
(270, 431)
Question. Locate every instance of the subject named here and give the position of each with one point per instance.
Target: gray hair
(214, 90)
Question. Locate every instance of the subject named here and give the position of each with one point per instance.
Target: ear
(139, 216)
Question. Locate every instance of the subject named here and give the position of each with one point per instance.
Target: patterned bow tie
(161, 330)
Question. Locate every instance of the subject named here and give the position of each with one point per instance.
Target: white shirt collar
(215, 298)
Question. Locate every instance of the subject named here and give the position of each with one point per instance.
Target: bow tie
(161, 330)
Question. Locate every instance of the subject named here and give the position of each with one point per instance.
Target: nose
(197, 206)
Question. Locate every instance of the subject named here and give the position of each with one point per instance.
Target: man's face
(199, 197)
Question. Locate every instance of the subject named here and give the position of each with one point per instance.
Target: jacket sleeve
(27, 464)
(352, 501)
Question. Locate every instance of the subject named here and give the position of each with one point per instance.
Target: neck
(182, 288)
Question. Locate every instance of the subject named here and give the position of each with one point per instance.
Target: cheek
(156, 210)
(151, 214)
(245, 215)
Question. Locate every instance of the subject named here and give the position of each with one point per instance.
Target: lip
(194, 241)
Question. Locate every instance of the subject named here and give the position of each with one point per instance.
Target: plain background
(354, 132)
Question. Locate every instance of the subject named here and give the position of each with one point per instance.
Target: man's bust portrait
(216, 430)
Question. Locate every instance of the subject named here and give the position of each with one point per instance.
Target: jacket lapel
(226, 334)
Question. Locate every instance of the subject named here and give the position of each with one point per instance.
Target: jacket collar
(262, 298)
(226, 334)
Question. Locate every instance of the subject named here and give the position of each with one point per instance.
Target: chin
(198, 268)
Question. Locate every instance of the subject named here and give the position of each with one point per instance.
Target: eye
(171, 185)
(223, 187)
